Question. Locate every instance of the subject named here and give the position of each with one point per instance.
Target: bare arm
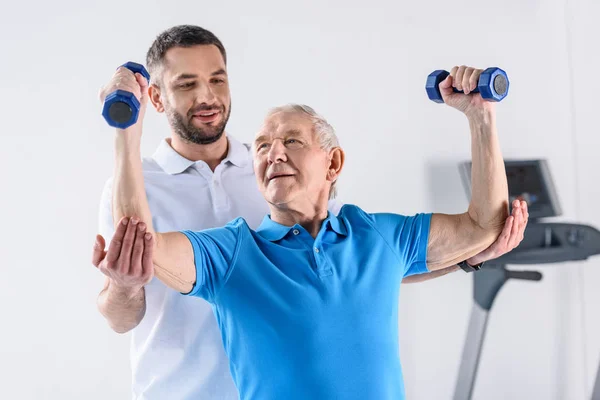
(122, 300)
(173, 256)
(122, 309)
(511, 237)
(454, 238)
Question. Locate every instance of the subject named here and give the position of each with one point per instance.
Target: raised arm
(511, 237)
(173, 256)
(454, 238)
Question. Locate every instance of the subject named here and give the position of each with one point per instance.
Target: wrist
(127, 149)
(468, 267)
(123, 291)
(481, 117)
(473, 261)
(128, 139)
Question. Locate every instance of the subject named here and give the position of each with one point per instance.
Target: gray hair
(324, 132)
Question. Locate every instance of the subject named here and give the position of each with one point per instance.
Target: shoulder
(355, 216)
(354, 213)
(238, 227)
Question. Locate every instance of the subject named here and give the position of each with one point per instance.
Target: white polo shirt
(176, 350)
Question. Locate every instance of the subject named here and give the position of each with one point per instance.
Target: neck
(212, 154)
(309, 215)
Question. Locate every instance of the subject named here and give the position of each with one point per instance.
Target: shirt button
(316, 250)
(295, 231)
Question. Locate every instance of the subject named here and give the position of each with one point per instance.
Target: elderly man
(307, 304)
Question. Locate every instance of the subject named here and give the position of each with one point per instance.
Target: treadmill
(544, 243)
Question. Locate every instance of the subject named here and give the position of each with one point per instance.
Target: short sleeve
(215, 253)
(408, 235)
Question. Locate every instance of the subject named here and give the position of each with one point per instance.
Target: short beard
(189, 133)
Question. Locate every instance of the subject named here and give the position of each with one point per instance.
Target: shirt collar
(274, 231)
(174, 163)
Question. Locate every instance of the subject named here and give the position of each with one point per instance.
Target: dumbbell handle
(445, 74)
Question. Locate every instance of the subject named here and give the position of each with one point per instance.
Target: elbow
(490, 223)
(488, 229)
(119, 321)
(120, 329)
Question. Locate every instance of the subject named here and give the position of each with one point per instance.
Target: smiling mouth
(207, 116)
(279, 176)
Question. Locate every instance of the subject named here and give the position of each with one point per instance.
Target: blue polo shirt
(305, 318)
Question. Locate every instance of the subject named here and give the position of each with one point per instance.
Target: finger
(501, 243)
(515, 205)
(98, 253)
(101, 95)
(114, 247)
(453, 72)
(465, 80)
(474, 79)
(126, 79)
(143, 85)
(523, 226)
(142, 81)
(124, 72)
(459, 77)
(515, 234)
(499, 247)
(446, 88)
(127, 247)
(147, 263)
(128, 85)
(138, 248)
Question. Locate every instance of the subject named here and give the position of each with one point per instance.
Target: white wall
(363, 65)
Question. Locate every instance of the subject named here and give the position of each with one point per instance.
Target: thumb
(98, 252)
(143, 82)
(445, 87)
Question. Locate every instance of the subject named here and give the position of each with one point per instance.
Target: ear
(336, 163)
(154, 93)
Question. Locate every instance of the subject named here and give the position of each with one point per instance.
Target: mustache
(206, 107)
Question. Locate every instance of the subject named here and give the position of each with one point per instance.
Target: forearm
(129, 194)
(122, 308)
(172, 265)
(430, 275)
(489, 198)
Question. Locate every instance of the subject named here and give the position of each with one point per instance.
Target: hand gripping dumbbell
(493, 85)
(121, 108)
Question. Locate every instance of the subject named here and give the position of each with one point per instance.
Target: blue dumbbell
(121, 108)
(493, 85)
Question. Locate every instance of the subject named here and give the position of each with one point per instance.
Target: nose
(277, 152)
(205, 94)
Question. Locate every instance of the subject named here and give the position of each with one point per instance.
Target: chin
(278, 199)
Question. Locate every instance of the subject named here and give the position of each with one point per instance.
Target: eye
(293, 143)
(218, 81)
(262, 146)
(186, 85)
